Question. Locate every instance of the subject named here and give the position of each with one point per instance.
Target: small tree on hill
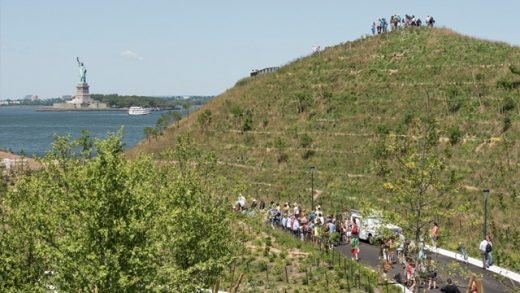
(420, 180)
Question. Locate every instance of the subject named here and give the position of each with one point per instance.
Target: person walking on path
(483, 251)
(489, 251)
(450, 287)
(354, 243)
(434, 234)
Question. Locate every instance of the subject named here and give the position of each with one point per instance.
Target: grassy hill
(326, 110)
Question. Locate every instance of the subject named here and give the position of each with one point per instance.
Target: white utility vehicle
(371, 227)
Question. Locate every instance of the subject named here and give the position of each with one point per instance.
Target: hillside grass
(325, 110)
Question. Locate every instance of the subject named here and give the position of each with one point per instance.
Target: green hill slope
(325, 110)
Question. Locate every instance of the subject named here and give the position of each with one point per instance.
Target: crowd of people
(329, 230)
(396, 22)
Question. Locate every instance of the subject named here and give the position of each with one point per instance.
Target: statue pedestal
(82, 94)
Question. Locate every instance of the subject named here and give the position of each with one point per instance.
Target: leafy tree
(110, 225)
(421, 181)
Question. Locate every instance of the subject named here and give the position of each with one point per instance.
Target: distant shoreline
(51, 109)
(32, 163)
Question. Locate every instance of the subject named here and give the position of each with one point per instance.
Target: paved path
(369, 256)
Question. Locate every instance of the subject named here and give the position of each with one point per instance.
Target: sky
(198, 47)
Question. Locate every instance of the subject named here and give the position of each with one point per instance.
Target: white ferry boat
(138, 111)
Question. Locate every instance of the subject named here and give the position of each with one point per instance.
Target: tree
(111, 225)
(419, 178)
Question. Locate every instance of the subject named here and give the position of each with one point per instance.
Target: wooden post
(307, 276)
(286, 275)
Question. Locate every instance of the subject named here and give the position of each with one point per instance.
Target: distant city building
(66, 97)
(34, 98)
(27, 97)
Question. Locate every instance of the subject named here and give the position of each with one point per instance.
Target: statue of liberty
(82, 72)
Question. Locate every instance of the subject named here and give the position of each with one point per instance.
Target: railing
(267, 70)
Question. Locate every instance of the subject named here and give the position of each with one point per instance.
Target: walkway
(369, 256)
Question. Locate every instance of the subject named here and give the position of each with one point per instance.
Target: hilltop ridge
(326, 109)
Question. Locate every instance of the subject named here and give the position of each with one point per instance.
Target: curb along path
(477, 262)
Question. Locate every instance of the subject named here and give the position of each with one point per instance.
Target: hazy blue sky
(169, 47)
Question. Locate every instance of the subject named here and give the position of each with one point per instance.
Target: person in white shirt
(296, 210)
(482, 248)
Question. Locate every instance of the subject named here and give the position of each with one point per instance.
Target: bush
(305, 141)
(248, 121)
(454, 134)
(506, 123)
(507, 105)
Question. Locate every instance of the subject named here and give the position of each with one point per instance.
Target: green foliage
(247, 125)
(454, 134)
(110, 225)
(205, 119)
(508, 104)
(422, 183)
(237, 112)
(279, 143)
(305, 141)
(303, 100)
(506, 123)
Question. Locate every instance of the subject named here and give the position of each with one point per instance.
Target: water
(22, 129)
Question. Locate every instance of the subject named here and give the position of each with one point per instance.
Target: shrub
(506, 123)
(248, 121)
(305, 141)
(508, 104)
(279, 142)
(454, 134)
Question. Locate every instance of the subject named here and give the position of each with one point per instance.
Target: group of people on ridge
(397, 22)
